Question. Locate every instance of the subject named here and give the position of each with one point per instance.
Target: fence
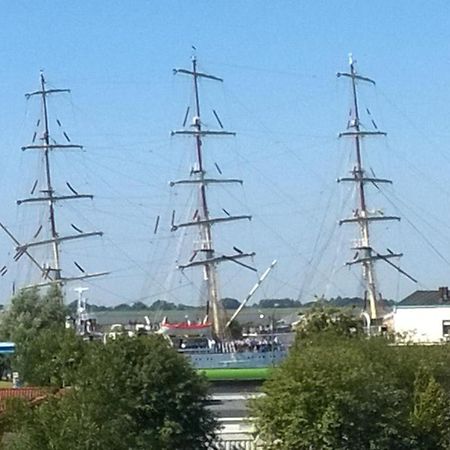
(236, 433)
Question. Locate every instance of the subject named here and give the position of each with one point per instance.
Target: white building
(423, 317)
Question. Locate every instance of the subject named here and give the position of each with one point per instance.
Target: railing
(240, 444)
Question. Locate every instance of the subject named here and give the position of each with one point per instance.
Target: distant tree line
(232, 303)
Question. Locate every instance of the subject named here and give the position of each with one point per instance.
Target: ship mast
(53, 271)
(205, 255)
(366, 255)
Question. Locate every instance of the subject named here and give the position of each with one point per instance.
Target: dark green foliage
(323, 320)
(235, 330)
(5, 365)
(129, 394)
(278, 303)
(136, 306)
(431, 415)
(230, 303)
(72, 308)
(162, 305)
(50, 358)
(340, 390)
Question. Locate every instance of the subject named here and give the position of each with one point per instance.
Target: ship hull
(236, 360)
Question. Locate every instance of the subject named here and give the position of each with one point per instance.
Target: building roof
(31, 394)
(439, 297)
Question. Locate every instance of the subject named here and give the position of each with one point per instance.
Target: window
(446, 328)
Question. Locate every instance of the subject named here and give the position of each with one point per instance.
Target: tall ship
(365, 254)
(208, 342)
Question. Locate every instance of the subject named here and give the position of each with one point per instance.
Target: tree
(230, 303)
(35, 323)
(430, 415)
(162, 305)
(132, 393)
(278, 303)
(235, 330)
(325, 319)
(30, 312)
(340, 390)
(50, 358)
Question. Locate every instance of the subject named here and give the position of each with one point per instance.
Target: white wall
(421, 323)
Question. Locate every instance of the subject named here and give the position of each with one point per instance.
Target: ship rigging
(204, 253)
(365, 254)
(43, 141)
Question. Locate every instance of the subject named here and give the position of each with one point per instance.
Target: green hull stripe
(236, 374)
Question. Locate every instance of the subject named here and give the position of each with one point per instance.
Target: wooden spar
(217, 118)
(54, 198)
(64, 280)
(71, 188)
(59, 239)
(210, 221)
(30, 256)
(217, 259)
(76, 228)
(155, 229)
(252, 292)
(207, 181)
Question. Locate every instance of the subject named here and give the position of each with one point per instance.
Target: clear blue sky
(281, 96)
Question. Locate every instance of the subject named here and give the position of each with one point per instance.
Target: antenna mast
(366, 255)
(53, 272)
(202, 218)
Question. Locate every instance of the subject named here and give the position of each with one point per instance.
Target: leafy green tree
(31, 312)
(230, 303)
(51, 357)
(339, 390)
(162, 305)
(132, 393)
(35, 323)
(325, 319)
(431, 415)
(235, 330)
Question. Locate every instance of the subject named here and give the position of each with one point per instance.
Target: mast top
(194, 72)
(350, 58)
(353, 73)
(43, 91)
